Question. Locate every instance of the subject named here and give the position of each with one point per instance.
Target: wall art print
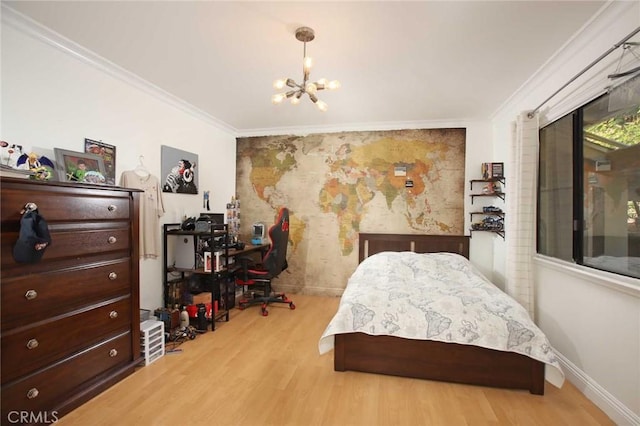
(108, 154)
(339, 184)
(179, 171)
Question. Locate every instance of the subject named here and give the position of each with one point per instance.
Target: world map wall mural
(339, 184)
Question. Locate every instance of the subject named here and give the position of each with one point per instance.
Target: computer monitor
(259, 233)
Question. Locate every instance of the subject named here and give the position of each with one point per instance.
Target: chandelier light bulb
(311, 88)
(307, 63)
(295, 100)
(322, 106)
(333, 84)
(279, 84)
(277, 98)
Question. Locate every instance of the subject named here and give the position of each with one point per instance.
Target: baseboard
(311, 291)
(616, 410)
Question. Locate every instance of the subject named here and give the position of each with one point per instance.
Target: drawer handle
(112, 208)
(32, 344)
(33, 393)
(112, 240)
(113, 314)
(113, 353)
(31, 294)
(113, 276)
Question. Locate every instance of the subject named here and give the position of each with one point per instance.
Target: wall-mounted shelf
(498, 194)
(495, 179)
(495, 231)
(493, 220)
(500, 214)
(492, 194)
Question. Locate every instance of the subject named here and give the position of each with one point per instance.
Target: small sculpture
(41, 166)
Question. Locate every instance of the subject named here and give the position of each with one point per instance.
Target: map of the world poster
(339, 184)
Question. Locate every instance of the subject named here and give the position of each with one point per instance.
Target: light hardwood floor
(256, 370)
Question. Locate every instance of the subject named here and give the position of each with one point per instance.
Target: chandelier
(304, 34)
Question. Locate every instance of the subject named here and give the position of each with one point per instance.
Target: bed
(385, 326)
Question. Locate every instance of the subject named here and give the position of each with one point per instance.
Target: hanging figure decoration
(205, 201)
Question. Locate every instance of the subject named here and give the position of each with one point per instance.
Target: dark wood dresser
(71, 322)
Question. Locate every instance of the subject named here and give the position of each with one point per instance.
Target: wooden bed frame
(431, 360)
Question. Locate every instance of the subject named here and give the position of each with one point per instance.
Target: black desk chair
(273, 263)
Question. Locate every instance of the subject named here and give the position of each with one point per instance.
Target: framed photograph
(179, 174)
(108, 154)
(497, 170)
(207, 261)
(80, 167)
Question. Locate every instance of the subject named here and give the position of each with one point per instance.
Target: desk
(249, 248)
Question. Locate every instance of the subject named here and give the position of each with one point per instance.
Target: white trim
(616, 410)
(355, 127)
(43, 34)
(312, 291)
(628, 285)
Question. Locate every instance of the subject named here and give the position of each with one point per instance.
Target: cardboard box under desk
(204, 297)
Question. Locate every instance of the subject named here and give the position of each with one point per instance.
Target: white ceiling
(398, 62)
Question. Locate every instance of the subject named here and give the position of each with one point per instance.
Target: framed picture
(80, 167)
(207, 261)
(108, 154)
(179, 171)
(497, 170)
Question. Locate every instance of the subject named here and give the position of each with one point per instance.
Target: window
(589, 187)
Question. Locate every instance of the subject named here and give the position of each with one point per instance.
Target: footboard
(432, 360)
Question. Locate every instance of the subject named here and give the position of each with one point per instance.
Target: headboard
(374, 243)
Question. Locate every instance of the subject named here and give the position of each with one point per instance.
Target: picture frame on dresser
(108, 154)
(80, 167)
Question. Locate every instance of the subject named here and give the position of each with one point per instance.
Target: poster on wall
(108, 154)
(402, 181)
(179, 171)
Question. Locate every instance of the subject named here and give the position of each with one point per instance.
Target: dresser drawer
(67, 242)
(48, 388)
(27, 299)
(83, 242)
(28, 348)
(61, 204)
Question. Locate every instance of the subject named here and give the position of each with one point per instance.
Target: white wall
(592, 319)
(51, 98)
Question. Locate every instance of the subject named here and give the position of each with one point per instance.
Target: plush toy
(41, 166)
(10, 153)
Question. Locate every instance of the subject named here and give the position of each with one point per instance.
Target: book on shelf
(492, 170)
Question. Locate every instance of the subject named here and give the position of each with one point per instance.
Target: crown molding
(604, 29)
(37, 31)
(359, 127)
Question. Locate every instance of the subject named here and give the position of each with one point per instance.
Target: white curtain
(520, 221)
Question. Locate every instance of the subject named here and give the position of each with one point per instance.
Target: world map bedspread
(441, 297)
